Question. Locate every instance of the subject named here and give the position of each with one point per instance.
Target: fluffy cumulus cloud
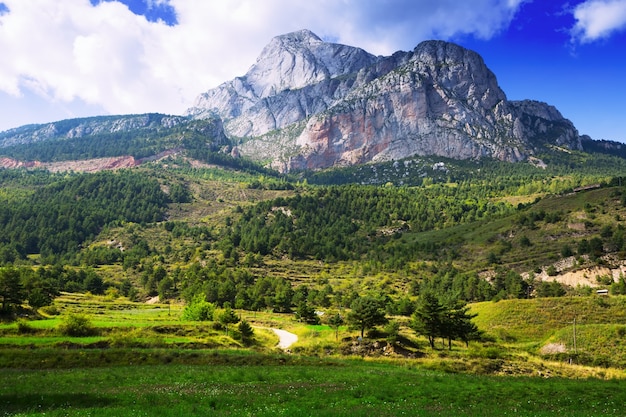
(598, 19)
(131, 56)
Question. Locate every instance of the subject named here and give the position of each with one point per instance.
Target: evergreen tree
(434, 319)
(461, 325)
(11, 290)
(226, 317)
(366, 313)
(428, 318)
(306, 313)
(246, 331)
(335, 321)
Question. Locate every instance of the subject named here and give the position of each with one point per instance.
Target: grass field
(236, 386)
(144, 361)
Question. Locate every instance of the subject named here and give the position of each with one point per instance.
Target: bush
(199, 309)
(486, 352)
(24, 327)
(51, 310)
(566, 251)
(77, 325)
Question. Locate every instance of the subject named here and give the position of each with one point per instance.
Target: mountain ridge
(439, 99)
(307, 104)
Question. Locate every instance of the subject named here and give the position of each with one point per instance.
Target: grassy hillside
(266, 244)
(588, 329)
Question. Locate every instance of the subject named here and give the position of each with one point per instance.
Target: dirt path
(286, 339)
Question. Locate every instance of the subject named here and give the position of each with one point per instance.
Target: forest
(390, 241)
(56, 218)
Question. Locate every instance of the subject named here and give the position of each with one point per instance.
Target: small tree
(461, 325)
(166, 289)
(367, 313)
(226, 317)
(306, 313)
(335, 321)
(246, 331)
(428, 318)
(393, 330)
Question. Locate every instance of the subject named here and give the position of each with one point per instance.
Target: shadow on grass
(28, 403)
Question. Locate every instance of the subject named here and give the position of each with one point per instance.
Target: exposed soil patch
(552, 348)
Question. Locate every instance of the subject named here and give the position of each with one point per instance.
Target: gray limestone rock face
(310, 104)
(295, 76)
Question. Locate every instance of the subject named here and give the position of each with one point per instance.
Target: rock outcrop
(309, 104)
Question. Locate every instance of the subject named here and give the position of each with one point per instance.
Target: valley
(431, 244)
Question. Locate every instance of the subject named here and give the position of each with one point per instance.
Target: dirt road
(286, 339)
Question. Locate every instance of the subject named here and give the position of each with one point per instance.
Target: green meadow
(144, 360)
(297, 387)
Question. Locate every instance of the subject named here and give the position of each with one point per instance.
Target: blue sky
(76, 58)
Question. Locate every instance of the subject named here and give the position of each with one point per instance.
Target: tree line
(39, 286)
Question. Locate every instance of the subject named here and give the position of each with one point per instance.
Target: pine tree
(428, 318)
(11, 291)
(366, 313)
(227, 317)
(246, 331)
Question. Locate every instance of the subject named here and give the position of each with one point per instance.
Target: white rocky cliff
(309, 104)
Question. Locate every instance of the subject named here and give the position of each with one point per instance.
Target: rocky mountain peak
(308, 104)
(293, 40)
(299, 59)
(290, 81)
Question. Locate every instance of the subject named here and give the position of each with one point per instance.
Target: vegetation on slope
(245, 240)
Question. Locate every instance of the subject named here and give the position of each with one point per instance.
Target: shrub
(486, 352)
(51, 310)
(566, 251)
(24, 327)
(604, 279)
(77, 325)
(199, 309)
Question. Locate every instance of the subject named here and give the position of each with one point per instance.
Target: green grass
(144, 362)
(538, 319)
(596, 344)
(237, 386)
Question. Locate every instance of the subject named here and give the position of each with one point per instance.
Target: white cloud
(598, 19)
(68, 51)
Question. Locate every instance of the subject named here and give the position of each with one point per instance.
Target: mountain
(90, 126)
(108, 142)
(306, 104)
(310, 104)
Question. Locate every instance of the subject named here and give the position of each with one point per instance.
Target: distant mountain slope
(308, 104)
(123, 138)
(90, 126)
